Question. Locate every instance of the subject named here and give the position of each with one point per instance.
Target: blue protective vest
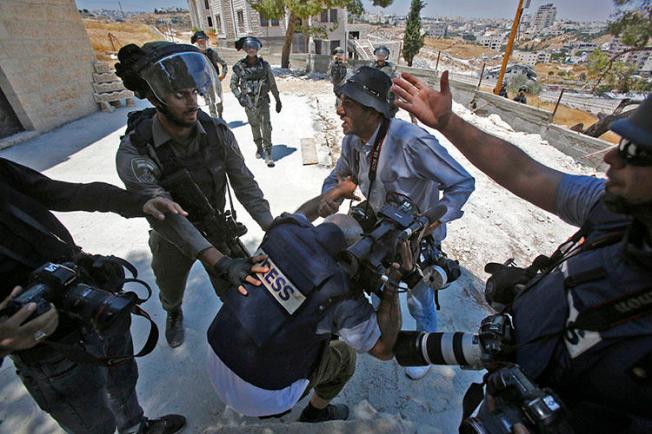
(268, 338)
(588, 366)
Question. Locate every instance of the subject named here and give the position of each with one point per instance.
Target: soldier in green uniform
(214, 102)
(338, 69)
(251, 82)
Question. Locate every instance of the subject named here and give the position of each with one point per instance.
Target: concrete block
(103, 78)
(112, 86)
(113, 96)
(101, 67)
(309, 151)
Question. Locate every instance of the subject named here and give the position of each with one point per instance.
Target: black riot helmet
(161, 68)
(381, 50)
(248, 42)
(197, 36)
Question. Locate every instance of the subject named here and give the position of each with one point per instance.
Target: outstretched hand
(158, 206)
(330, 201)
(429, 106)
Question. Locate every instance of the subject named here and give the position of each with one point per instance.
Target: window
(264, 22)
(324, 16)
(333, 15)
(218, 22)
(210, 21)
(334, 45)
(317, 46)
(241, 23)
(206, 4)
(275, 22)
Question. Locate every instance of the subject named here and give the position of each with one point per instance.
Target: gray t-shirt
(576, 196)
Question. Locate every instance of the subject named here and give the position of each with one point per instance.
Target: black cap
(198, 35)
(637, 127)
(369, 87)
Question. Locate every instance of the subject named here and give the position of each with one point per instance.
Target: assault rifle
(221, 229)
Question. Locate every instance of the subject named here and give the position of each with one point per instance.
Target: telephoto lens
(420, 348)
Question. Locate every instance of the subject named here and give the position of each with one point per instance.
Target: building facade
(232, 19)
(545, 17)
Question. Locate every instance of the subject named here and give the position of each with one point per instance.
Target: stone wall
(45, 62)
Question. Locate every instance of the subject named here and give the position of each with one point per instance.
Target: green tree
(413, 39)
(633, 25)
(299, 11)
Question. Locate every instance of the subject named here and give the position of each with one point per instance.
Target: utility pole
(121, 11)
(510, 44)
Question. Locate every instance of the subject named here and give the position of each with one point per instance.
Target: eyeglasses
(631, 153)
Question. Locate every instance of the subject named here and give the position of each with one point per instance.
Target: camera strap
(375, 157)
(78, 354)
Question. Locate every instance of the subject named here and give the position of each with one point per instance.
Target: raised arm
(505, 163)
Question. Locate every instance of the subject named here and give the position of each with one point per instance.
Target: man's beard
(640, 211)
(173, 118)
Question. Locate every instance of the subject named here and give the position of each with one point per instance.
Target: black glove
(279, 106)
(233, 270)
(242, 99)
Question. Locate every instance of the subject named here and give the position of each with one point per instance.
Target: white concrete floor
(175, 380)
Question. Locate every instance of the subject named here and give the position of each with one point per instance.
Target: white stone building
(492, 40)
(232, 19)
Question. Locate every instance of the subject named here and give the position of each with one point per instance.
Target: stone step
(105, 77)
(109, 86)
(102, 68)
(113, 96)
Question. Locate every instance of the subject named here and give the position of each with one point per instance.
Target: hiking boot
(168, 424)
(311, 414)
(174, 332)
(268, 159)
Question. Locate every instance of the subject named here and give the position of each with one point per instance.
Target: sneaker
(259, 154)
(174, 332)
(331, 412)
(417, 372)
(268, 159)
(168, 424)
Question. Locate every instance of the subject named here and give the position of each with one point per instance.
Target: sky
(583, 10)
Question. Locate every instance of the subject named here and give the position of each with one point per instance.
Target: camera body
(397, 221)
(60, 284)
(517, 400)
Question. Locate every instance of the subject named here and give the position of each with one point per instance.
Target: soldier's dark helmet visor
(382, 51)
(251, 43)
(181, 71)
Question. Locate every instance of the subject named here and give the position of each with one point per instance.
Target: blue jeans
(87, 398)
(421, 304)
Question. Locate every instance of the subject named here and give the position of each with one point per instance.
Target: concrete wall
(519, 116)
(45, 62)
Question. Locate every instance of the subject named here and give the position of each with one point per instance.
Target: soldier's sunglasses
(631, 153)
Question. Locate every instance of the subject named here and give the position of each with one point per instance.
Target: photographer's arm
(343, 190)
(389, 317)
(505, 163)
